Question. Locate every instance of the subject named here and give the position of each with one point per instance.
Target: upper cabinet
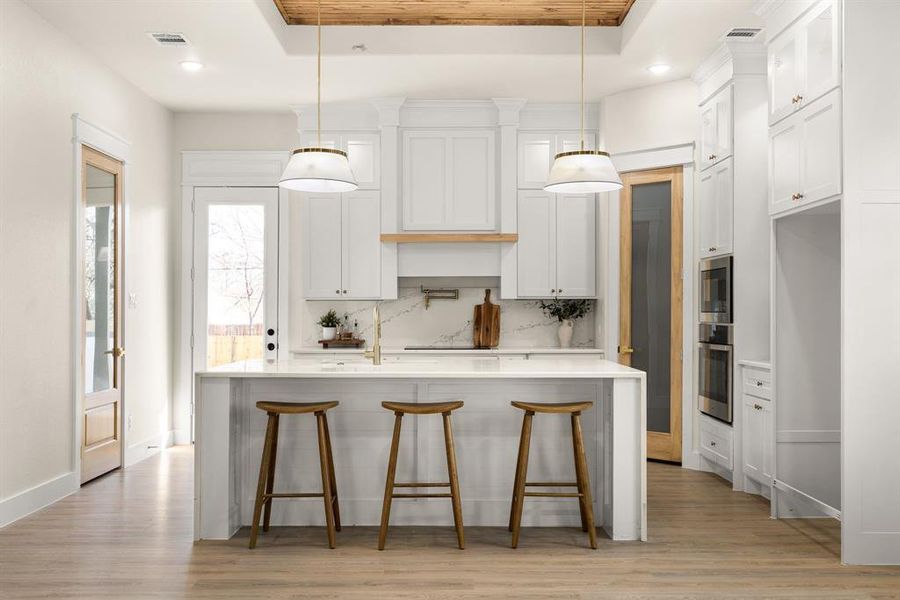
(342, 246)
(716, 208)
(363, 152)
(557, 245)
(804, 60)
(805, 155)
(449, 180)
(716, 129)
(536, 151)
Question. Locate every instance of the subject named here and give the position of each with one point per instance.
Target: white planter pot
(566, 328)
(329, 333)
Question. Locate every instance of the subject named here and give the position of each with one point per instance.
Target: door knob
(116, 352)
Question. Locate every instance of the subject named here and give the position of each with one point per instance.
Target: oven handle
(719, 347)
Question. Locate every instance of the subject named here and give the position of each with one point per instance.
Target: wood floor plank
(128, 535)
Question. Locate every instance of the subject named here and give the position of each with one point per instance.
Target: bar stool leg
(334, 492)
(326, 479)
(263, 472)
(454, 481)
(512, 507)
(578, 482)
(270, 481)
(520, 480)
(584, 480)
(389, 483)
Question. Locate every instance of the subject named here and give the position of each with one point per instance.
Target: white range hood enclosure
(449, 260)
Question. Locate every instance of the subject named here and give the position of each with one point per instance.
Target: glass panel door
(235, 275)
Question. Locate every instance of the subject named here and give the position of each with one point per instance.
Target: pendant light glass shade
(582, 172)
(318, 170)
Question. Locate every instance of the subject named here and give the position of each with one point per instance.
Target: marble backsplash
(406, 322)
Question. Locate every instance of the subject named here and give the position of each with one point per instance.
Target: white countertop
(313, 350)
(436, 368)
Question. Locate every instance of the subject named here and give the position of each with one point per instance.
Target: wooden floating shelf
(442, 238)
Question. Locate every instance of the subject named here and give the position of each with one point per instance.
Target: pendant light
(582, 171)
(318, 169)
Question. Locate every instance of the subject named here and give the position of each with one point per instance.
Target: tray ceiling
(454, 12)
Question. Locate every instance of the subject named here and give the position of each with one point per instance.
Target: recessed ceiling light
(659, 68)
(191, 65)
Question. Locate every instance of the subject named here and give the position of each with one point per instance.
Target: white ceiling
(253, 61)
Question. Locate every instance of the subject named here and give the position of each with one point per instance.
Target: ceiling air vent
(169, 39)
(742, 33)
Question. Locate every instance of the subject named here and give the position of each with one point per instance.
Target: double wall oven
(715, 339)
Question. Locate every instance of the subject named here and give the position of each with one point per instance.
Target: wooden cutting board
(486, 324)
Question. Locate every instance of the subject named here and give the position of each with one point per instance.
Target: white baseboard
(36, 498)
(691, 460)
(138, 451)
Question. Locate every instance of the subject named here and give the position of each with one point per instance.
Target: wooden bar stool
(264, 488)
(403, 408)
(582, 479)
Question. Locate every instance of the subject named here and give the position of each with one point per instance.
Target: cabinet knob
(757, 407)
(337, 291)
(552, 291)
(797, 196)
(711, 157)
(712, 443)
(796, 99)
(343, 291)
(759, 384)
(559, 291)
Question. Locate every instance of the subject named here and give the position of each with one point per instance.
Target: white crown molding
(388, 110)
(508, 110)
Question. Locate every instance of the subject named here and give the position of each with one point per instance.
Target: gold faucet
(375, 352)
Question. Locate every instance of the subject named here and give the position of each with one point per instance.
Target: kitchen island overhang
(229, 433)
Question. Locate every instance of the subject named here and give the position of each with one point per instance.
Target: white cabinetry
(537, 150)
(758, 425)
(805, 155)
(448, 180)
(804, 61)
(716, 129)
(716, 442)
(363, 152)
(342, 246)
(557, 245)
(716, 208)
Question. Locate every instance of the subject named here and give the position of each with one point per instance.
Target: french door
(235, 275)
(101, 344)
(651, 298)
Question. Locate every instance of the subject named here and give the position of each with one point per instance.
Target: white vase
(329, 333)
(565, 333)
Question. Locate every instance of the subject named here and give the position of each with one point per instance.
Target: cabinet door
(707, 208)
(754, 438)
(785, 77)
(424, 180)
(784, 164)
(820, 148)
(536, 249)
(715, 129)
(322, 246)
(361, 245)
(570, 141)
(768, 432)
(576, 250)
(724, 207)
(536, 151)
(470, 178)
(821, 52)
(364, 153)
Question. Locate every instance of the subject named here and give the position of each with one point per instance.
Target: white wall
(47, 78)
(651, 117)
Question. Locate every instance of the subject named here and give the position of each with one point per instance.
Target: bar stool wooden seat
(582, 479)
(266, 483)
(428, 408)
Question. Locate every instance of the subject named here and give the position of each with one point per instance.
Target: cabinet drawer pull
(712, 443)
(759, 384)
(757, 407)
(711, 249)
(797, 196)
(797, 99)
(711, 157)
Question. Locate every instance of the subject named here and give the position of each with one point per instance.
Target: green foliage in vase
(562, 310)
(329, 319)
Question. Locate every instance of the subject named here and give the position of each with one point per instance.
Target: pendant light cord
(582, 71)
(319, 75)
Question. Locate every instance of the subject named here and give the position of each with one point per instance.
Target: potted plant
(329, 322)
(566, 311)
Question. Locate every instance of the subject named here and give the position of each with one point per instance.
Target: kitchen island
(230, 430)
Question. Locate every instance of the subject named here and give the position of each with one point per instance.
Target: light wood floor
(129, 536)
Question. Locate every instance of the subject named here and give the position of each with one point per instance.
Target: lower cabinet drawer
(716, 445)
(757, 382)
